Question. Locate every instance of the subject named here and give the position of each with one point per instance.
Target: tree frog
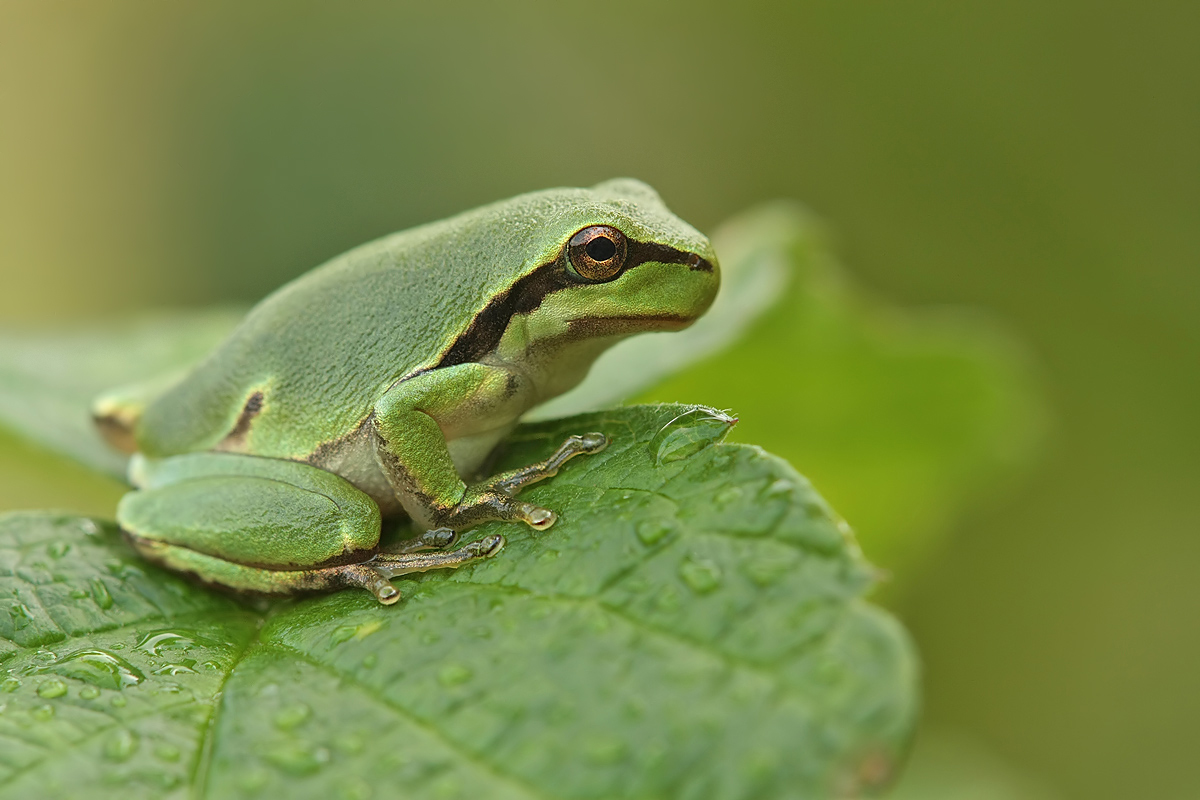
(369, 387)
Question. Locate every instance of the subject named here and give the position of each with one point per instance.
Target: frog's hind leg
(374, 575)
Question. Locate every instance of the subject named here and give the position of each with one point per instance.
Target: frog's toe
(590, 443)
(536, 517)
(387, 594)
(490, 545)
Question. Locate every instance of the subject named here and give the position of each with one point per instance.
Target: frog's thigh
(415, 417)
(253, 520)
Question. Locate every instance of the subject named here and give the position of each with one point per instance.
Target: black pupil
(601, 249)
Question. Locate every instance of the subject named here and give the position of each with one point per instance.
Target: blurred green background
(1039, 162)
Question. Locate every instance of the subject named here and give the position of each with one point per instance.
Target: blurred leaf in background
(904, 417)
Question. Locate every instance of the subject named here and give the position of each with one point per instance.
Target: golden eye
(597, 252)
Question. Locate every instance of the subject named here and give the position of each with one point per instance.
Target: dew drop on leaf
(21, 617)
(153, 642)
(701, 575)
(454, 675)
(89, 693)
(297, 759)
(58, 549)
(292, 716)
(185, 667)
(99, 668)
(120, 745)
(167, 752)
(52, 688)
(342, 634)
(688, 434)
(652, 531)
(43, 713)
(728, 496)
(101, 595)
(10, 684)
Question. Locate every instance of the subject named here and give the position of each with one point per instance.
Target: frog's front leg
(416, 417)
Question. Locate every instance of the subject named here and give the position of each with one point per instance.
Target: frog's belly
(354, 459)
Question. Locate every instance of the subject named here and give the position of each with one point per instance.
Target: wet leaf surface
(693, 626)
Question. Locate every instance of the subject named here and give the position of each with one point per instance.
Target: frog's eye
(597, 252)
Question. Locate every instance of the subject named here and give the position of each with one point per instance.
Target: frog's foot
(375, 574)
(495, 498)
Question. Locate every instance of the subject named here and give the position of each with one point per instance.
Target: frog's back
(308, 363)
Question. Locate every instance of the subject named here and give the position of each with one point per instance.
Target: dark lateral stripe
(482, 336)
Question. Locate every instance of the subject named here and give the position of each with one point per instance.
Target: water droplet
(10, 684)
(89, 528)
(780, 488)
(667, 599)
(165, 640)
(167, 752)
(652, 531)
(43, 713)
(345, 633)
(118, 701)
(342, 634)
(21, 616)
(701, 575)
(548, 555)
(728, 496)
(120, 745)
(766, 571)
(100, 594)
(77, 594)
(454, 675)
(52, 688)
(99, 668)
(58, 549)
(292, 716)
(688, 434)
(89, 693)
(297, 759)
(186, 667)
(370, 661)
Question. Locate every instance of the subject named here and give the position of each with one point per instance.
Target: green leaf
(900, 417)
(692, 627)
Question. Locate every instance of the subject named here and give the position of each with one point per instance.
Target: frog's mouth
(584, 327)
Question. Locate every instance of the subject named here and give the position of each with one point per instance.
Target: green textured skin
(326, 347)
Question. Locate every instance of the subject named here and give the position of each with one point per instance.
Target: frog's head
(588, 267)
(631, 265)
